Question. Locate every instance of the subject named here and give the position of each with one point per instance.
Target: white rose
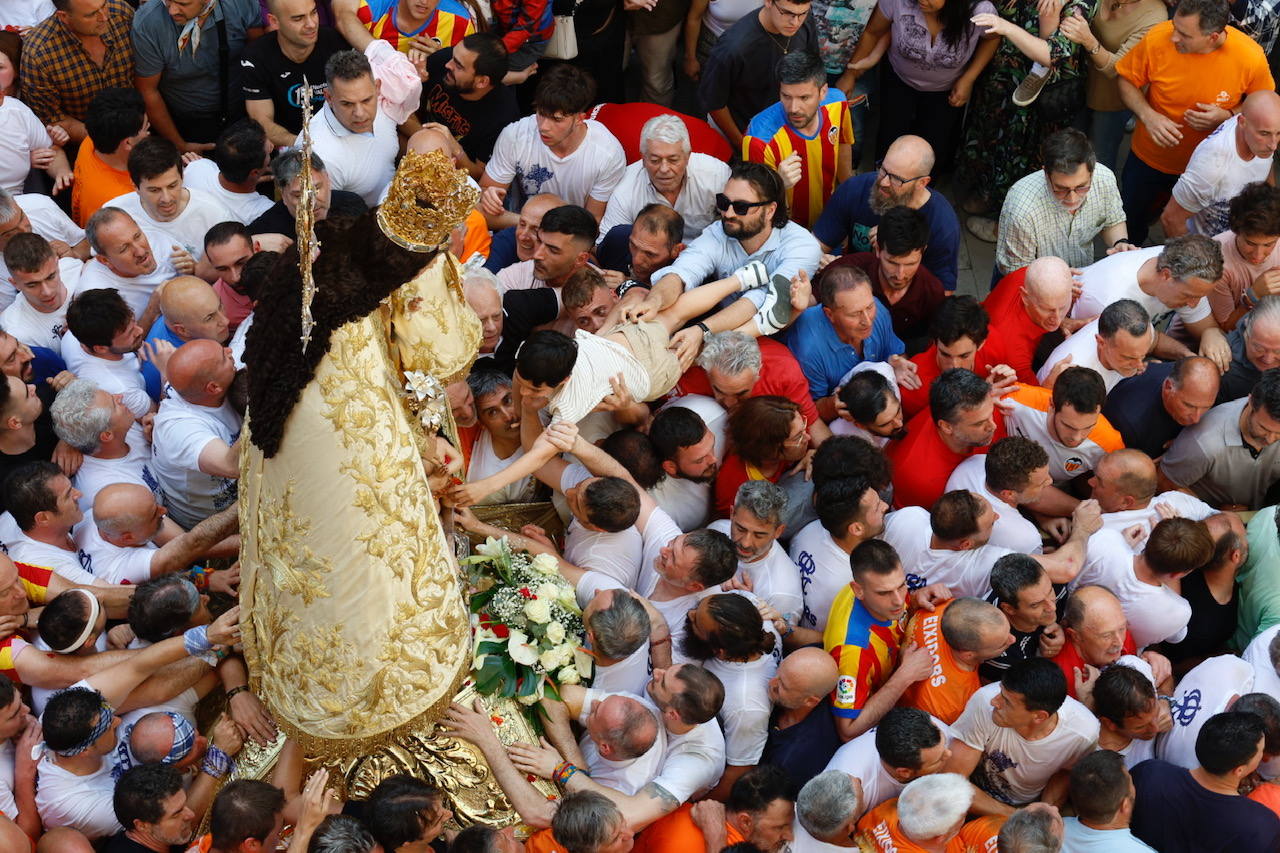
(568, 675)
(546, 564)
(538, 611)
(569, 598)
(549, 591)
(555, 633)
(553, 659)
(584, 663)
(531, 699)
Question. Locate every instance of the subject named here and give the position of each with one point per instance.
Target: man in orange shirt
(759, 811)
(116, 121)
(1195, 71)
(960, 636)
(926, 818)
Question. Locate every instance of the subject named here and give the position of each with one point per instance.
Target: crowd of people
(863, 562)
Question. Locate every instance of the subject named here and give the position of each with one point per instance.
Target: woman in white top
(24, 141)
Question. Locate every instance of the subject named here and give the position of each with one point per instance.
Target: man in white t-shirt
(555, 150)
(127, 521)
(15, 721)
(872, 405)
(1144, 583)
(763, 565)
(1066, 421)
(356, 139)
(44, 283)
(1238, 152)
(1124, 484)
(195, 442)
(1015, 736)
(46, 508)
(727, 634)
(131, 260)
(906, 744)
(951, 544)
(850, 511)
(36, 213)
(101, 344)
(1014, 473)
(1208, 689)
(690, 454)
(101, 427)
(75, 782)
(1115, 345)
(1173, 277)
(1129, 711)
(668, 173)
(162, 202)
(238, 163)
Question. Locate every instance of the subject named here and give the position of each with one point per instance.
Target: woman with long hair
(767, 437)
(935, 56)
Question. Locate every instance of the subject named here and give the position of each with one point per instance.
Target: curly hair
(356, 270)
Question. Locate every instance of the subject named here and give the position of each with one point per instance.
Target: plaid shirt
(1033, 223)
(58, 77)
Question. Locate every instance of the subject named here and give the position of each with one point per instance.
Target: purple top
(927, 63)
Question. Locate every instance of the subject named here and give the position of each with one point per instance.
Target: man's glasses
(895, 180)
(741, 208)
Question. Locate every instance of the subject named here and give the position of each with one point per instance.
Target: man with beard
(755, 526)
(901, 178)
(464, 92)
(807, 134)
(518, 242)
(753, 243)
(758, 811)
(101, 344)
(874, 412)
(634, 252)
(151, 805)
(687, 450)
(563, 244)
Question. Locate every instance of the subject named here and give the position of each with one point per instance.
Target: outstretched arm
(473, 725)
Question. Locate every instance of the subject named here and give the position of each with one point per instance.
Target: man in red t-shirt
(1025, 306)
(734, 366)
(959, 332)
(1097, 636)
(961, 420)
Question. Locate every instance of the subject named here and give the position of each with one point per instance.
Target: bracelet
(791, 629)
(236, 691)
(706, 330)
(665, 639)
(564, 772)
(1123, 240)
(1096, 49)
(216, 763)
(630, 284)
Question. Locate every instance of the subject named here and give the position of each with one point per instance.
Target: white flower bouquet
(526, 624)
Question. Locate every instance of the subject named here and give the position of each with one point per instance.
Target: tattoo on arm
(657, 792)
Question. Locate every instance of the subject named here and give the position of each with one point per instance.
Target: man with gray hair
(285, 170)
(755, 526)
(588, 822)
(669, 173)
(102, 427)
(1255, 347)
(481, 289)
(827, 810)
(1115, 345)
(927, 815)
(358, 141)
(1173, 277)
(1037, 828)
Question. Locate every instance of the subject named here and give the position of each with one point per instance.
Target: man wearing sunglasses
(902, 177)
(754, 243)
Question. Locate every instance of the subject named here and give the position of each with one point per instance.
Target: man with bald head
(195, 442)
(903, 178)
(190, 309)
(1238, 153)
(1150, 409)
(164, 737)
(127, 522)
(481, 290)
(1025, 306)
(1124, 484)
(1097, 637)
(802, 732)
(960, 636)
(1255, 347)
(518, 242)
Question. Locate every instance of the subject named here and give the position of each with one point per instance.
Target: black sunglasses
(723, 203)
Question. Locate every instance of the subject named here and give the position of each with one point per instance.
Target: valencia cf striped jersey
(450, 23)
(770, 139)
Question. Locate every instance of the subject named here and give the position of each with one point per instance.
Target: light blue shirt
(825, 359)
(1079, 838)
(713, 256)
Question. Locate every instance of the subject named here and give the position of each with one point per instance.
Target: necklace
(786, 48)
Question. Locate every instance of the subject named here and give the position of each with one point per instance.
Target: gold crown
(428, 198)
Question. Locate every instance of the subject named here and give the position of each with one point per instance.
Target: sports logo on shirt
(846, 690)
(833, 134)
(1074, 465)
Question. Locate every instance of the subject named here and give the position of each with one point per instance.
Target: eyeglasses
(1068, 192)
(896, 180)
(723, 203)
(792, 16)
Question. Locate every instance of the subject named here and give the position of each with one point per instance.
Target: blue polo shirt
(160, 331)
(848, 217)
(825, 359)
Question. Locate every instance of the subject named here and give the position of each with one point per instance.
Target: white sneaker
(775, 313)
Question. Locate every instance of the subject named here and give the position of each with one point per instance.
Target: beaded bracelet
(563, 773)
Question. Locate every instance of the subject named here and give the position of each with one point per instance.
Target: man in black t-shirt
(1021, 588)
(280, 218)
(464, 92)
(273, 67)
(1150, 410)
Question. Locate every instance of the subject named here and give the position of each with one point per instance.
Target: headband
(94, 609)
(105, 715)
